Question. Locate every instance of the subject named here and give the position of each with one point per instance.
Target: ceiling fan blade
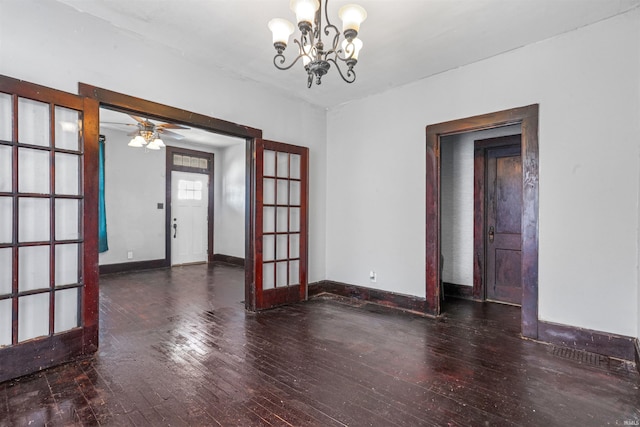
(169, 134)
(117, 123)
(138, 119)
(170, 126)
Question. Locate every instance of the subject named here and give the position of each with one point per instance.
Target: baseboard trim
(458, 291)
(617, 346)
(234, 260)
(374, 296)
(126, 267)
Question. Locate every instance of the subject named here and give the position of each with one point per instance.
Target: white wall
(230, 202)
(587, 83)
(134, 185)
(59, 47)
(456, 202)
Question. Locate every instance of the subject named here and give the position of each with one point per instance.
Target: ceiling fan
(148, 133)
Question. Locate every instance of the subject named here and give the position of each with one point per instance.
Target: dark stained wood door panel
(504, 223)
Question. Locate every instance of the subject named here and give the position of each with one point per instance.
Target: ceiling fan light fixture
(135, 142)
(160, 143)
(153, 145)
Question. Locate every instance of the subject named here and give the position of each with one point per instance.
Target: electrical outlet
(129, 254)
(372, 276)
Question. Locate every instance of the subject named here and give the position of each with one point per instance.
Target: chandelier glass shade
(315, 55)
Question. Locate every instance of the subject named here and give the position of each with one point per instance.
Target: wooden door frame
(170, 168)
(132, 105)
(527, 117)
(480, 149)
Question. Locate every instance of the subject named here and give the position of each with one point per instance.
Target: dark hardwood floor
(177, 348)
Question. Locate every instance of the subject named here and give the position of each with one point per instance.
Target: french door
(281, 223)
(48, 227)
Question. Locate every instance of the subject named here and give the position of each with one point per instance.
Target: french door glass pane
(267, 276)
(281, 223)
(294, 194)
(6, 117)
(281, 274)
(268, 220)
(67, 174)
(6, 268)
(268, 247)
(283, 192)
(33, 316)
(33, 171)
(295, 166)
(33, 219)
(6, 168)
(269, 191)
(66, 268)
(6, 223)
(6, 314)
(294, 273)
(67, 132)
(67, 227)
(281, 246)
(294, 222)
(33, 268)
(283, 165)
(294, 246)
(66, 311)
(269, 163)
(33, 122)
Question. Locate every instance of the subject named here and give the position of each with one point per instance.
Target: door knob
(175, 229)
(491, 234)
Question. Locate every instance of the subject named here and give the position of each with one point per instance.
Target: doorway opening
(154, 111)
(525, 120)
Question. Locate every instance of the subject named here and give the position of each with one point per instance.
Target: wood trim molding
(126, 267)
(528, 118)
(375, 296)
(607, 344)
(228, 259)
(154, 110)
(459, 291)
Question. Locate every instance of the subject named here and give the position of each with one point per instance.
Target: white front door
(189, 225)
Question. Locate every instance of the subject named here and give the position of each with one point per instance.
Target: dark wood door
(503, 223)
(48, 227)
(280, 257)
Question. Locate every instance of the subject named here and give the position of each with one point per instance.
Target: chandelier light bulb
(352, 50)
(352, 16)
(305, 11)
(281, 29)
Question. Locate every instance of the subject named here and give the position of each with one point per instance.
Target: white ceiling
(114, 120)
(404, 40)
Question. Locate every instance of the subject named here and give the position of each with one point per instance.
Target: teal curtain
(103, 245)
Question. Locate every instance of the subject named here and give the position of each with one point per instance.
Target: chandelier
(316, 57)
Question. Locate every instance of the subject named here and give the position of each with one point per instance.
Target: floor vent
(581, 356)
